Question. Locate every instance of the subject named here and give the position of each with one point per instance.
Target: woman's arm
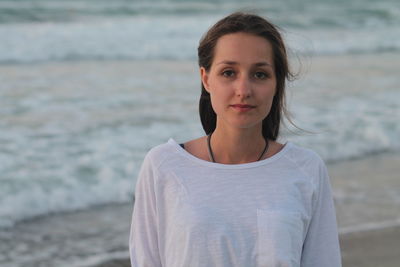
(143, 241)
(321, 245)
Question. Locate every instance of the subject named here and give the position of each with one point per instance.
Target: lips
(242, 106)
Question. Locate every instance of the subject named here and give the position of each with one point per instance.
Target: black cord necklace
(211, 155)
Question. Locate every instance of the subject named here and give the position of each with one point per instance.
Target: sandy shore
(374, 248)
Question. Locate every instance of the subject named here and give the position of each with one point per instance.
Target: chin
(247, 124)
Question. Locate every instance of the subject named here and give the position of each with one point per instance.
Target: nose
(243, 87)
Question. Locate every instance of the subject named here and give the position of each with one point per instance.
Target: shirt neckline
(206, 163)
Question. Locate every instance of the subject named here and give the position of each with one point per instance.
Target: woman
(236, 197)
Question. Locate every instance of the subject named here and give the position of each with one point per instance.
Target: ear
(204, 79)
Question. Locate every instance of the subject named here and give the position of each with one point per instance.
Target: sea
(87, 87)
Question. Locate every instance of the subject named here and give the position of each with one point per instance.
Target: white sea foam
(160, 36)
(371, 226)
(100, 259)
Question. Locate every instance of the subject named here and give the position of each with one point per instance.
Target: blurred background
(87, 87)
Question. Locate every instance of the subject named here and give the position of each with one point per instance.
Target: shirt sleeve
(321, 246)
(143, 240)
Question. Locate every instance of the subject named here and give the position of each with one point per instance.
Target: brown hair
(252, 24)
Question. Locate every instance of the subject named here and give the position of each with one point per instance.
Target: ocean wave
(175, 38)
(309, 13)
(42, 30)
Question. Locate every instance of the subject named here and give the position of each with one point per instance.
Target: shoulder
(302, 154)
(306, 159)
(158, 154)
(166, 158)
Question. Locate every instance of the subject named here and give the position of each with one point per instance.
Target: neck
(237, 147)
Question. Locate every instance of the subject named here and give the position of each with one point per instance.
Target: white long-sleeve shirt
(189, 212)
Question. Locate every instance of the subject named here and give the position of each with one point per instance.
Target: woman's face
(242, 73)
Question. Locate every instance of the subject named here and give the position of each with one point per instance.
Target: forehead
(243, 47)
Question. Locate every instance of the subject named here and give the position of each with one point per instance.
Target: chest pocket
(280, 238)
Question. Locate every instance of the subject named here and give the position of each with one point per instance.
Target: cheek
(268, 100)
(216, 101)
(219, 91)
(220, 100)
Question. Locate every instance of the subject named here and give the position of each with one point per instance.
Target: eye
(260, 75)
(228, 73)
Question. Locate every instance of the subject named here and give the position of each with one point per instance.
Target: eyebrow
(258, 64)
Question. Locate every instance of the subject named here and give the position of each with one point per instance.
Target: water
(88, 87)
(108, 30)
